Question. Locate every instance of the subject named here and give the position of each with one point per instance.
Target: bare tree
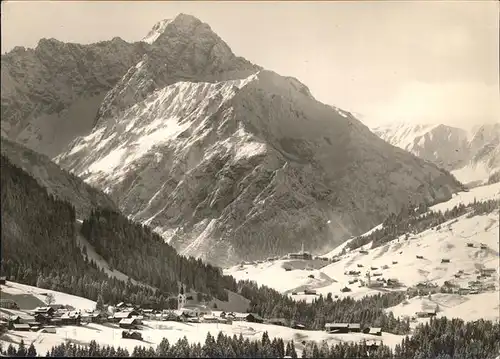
(50, 299)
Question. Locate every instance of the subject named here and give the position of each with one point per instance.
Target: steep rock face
(51, 94)
(472, 156)
(244, 169)
(58, 182)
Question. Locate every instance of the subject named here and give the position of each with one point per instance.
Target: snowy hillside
(398, 260)
(153, 331)
(472, 155)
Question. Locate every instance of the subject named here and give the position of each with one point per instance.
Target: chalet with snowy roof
(278, 321)
(254, 318)
(42, 318)
(128, 323)
(21, 327)
(71, 318)
(337, 328)
(373, 331)
(44, 310)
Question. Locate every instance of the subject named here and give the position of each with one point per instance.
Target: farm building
(470, 245)
(124, 315)
(21, 327)
(420, 257)
(278, 321)
(42, 318)
(131, 335)
(373, 331)
(128, 323)
(426, 313)
(3, 280)
(71, 318)
(44, 310)
(445, 260)
(254, 318)
(337, 328)
(49, 329)
(354, 327)
(310, 291)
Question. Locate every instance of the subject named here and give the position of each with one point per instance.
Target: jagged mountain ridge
(228, 161)
(471, 155)
(51, 94)
(58, 182)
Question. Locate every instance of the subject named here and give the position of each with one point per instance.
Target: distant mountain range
(473, 156)
(226, 160)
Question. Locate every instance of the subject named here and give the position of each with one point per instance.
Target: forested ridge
(441, 338)
(416, 220)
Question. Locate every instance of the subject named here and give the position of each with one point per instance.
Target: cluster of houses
(47, 317)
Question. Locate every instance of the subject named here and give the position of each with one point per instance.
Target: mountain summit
(226, 160)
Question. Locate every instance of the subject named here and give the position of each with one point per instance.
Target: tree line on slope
(135, 249)
(50, 258)
(39, 248)
(368, 311)
(441, 338)
(413, 220)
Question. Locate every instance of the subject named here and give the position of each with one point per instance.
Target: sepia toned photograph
(250, 179)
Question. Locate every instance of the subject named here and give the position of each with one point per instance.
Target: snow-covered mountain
(229, 161)
(471, 155)
(51, 94)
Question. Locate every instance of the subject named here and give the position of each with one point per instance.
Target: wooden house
(3, 280)
(128, 323)
(354, 327)
(445, 260)
(131, 335)
(45, 310)
(373, 331)
(470, 245)
(420, 257)
(278, 321)
(49, 329)
(71, 318)
(254, 318)
(42, 318)
(310, 291)
(337, 328)
(21, 327)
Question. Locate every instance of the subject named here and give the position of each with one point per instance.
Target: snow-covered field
(467, 307)
(448, 241)
(38, 296)
(153, 332)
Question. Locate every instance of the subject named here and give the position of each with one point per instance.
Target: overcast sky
(389, 61)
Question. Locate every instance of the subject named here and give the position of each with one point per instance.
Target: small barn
(278, 321)
(21, 327)
(445, 260)
(337, 328)
(254, 318)
(42, 318)
(49, 311)
(128, 323)
(3, 280)
(48, 329)
(373, 331)
(354, 327)
(310, 292)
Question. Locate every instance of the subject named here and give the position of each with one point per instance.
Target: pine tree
(31, 351)
(21, 351)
